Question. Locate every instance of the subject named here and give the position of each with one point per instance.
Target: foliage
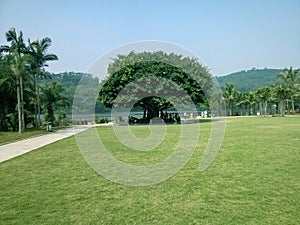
(229, 94)
(251, 80)
(280, 95)
(7, 95)
(291, 78)
(39, 58)
(19, 75)
(52, 98)
(263, 96)
(146, 78)
(70, 83)
(17, 61)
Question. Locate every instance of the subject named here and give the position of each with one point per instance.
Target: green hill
(251, 80)
(244, 81)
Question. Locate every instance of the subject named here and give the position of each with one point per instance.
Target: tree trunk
(282, 106)
(265, 107)
(219, 108)
(153, 112)
(260, 108)
(35, 102)
(19, 109)
(38, 104)
(50, 110)
(293, 105)
(229, 108)
(22, 104)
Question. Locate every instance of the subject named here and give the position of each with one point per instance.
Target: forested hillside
(69, 81)
(244, 81)
(251, 80)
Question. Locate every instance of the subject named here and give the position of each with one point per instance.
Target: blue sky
(227, 36)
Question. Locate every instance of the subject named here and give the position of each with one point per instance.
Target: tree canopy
(21, 67)
(153, 81)
(251, 80)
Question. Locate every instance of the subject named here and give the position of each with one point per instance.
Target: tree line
(22, 97)
(280, 98)
(25, 94)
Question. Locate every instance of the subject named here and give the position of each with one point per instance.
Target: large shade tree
(145, 78)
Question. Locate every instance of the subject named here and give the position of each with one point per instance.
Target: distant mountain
(251, 80)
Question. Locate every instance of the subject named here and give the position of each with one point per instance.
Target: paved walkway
(15, 149)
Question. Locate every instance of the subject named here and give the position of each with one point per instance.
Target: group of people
(164, 116)
(169, 117)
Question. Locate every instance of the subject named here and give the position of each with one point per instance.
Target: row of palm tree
(23, 65)
(280, 96)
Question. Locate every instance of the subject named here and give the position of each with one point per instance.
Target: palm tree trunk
(35, 101)
(19, 109)
(22, 103)
(265, 107)
(38, 105)
(282, 106)
(293, 105)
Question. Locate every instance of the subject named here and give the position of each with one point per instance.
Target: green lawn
(255, 179)
(11, 136)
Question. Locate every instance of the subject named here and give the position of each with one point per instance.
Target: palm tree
(263, 95)
(241, 101)
(7, 94)
(290, 77)
(16, 52)
(40, 57)
(228, 95)
(251, 100)
(281, 93)
(51, 98)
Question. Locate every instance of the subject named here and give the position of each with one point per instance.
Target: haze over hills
(251, 80)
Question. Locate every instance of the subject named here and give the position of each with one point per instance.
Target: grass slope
(254, 180)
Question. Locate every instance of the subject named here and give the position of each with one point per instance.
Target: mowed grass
(255, 179)
(12, 136)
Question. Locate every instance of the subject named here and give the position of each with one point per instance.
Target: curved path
(11, 150)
